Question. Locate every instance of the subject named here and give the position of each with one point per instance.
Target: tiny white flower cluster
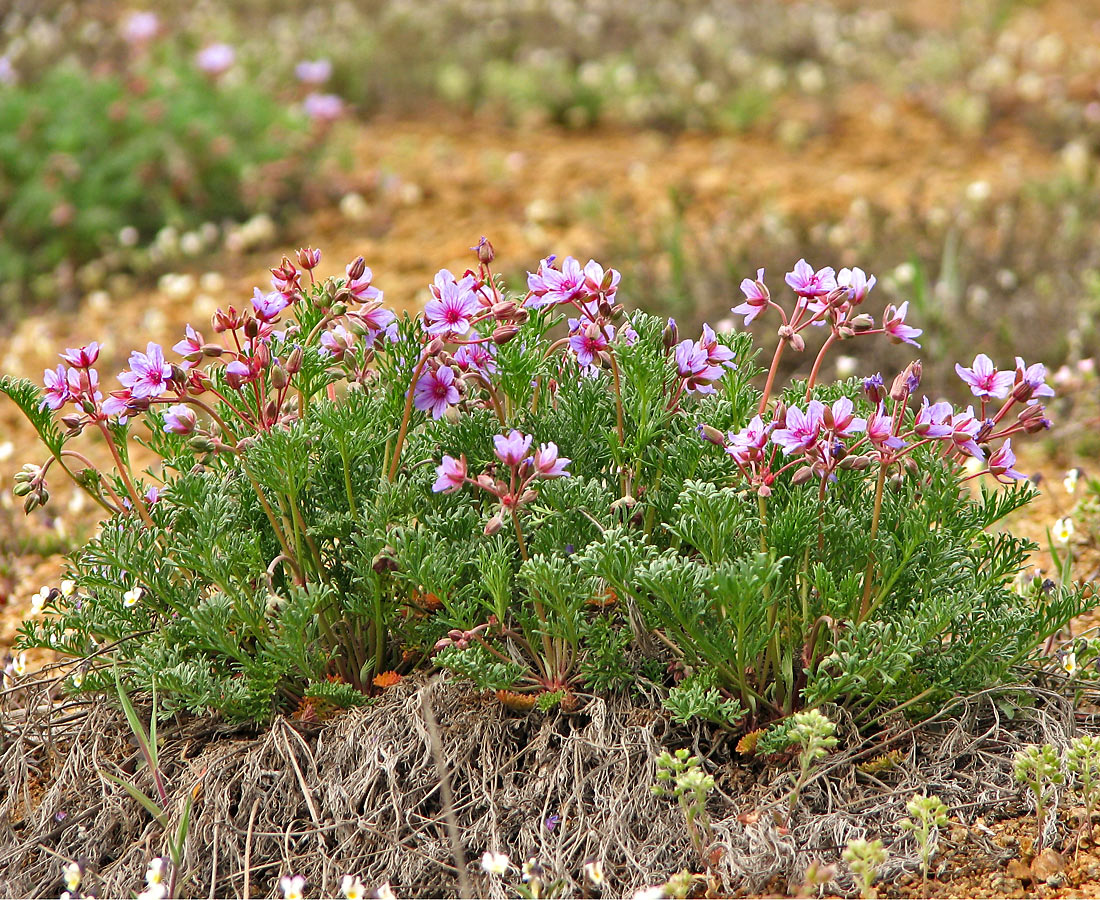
(155, 888)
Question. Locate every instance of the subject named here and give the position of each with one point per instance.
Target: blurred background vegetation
(947, 147)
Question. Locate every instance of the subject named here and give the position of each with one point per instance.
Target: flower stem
(817, 364)
(771, 378)
(404, 429)
(124, 473)
(869, 571)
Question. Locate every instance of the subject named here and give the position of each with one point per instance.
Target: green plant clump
(332, 494)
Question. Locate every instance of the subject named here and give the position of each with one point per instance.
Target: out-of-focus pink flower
(1030, 382)
(140, 27)
(216, 59)
(336, 343)
(313, 71)
(189, 346)
(360, 288)
(717, 354)
(984, 379)
(857, 283)
(7, 71)
(82, 357)
(480, 356)
(323, 107)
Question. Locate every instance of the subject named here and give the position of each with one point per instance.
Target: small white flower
(68, 587)
(846, 366)
(131, 597)
(650, 893)
(292, 886)
(6, 450)
(19, 667)
(72, 874)
(154, 892)
(352, 888)
(1062, 531)
(1069, 663)
(495, 863)
(78, 678)
(38, 601)
(155, 873)
(1070, 481)
(385, 892)
(593, 871)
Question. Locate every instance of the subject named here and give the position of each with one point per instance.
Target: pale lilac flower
(693, 366)
(845, 421)
(117, 404)
(149, 373)
(893, 323)
(452, 307)
(809, 284)
(84, 385)
(756, 297)
(452, 474)
(933, 421)
(511, 449)
(435, 391)
(215, 59)
(140, 27)
(1031, 381)
(880, 430)
(984, 379)
(748, 444)
(588, 343)
(180, 419)
(336, 343)
(1001, 463)
(152, 495)
(82, 357)
(268, 306)
(57, 388)
(964, 428)
(237, 373)
(550, 286)
(191, 344)
(323, 107)
(801, 430)
(717, 354)
(377, 321)
(874, 388)
(547, 462)
(857, 283)
(313, 71)
(360, 288)
(478, 356)
(7, 71)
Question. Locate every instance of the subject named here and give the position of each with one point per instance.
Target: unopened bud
(278, 377)
(435, 345)
(294, 361)
(212, 350)
(764, 491)
(201, 443)
(899, 389)
(485, 252)
(308, 258)
(494, 525)
(802, 475)
(251, 327)
(862, 322)
(505, 309)
(271, 410)
(670, 337)
(712, 434)
(179, 374)
(504, 333)
(22, 488)
(339, 308)
(623, 503)
(357, 268)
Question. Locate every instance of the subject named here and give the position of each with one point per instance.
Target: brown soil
(434, 185)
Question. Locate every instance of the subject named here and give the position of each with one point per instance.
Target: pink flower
(140, 27)
(550, 286)
(512, 449)
(435, 391)
(588, 343)
(452, 475)
(57, 388)
(893, 323)
(717, 354)
(801, 430)
(964, 428)
(857, 283)
(323, 107)
(238, 373)
(149, 373)
(117, 404)
(82, 357)
(844, 421)
(547, 462)
(180, 419)
(984, 380)
(748, 444)
(268, 306)
(480, 356)
(191, 344)
(214, 59)
(756, 297)
(1002, 461)
(377, 321)
(84, 385)
(336, 343)
(809, 284)
(452, 307)
(932, 421)
(1030, 382)
(880, 431)
(694, 368)
(595, 276)
(315, 71)
(360, 288)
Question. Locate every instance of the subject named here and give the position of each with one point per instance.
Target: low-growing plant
(927, 814)
(682, 776)
(1083, 763)
(815, 735)
(1039, 769)
(864, 859)
(520, 488)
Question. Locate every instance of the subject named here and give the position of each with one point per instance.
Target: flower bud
(278, 377)
(712, 434)
(670, 337)
(251, 327)
(502, 334)
(201, 443)
(802, 475)
(504, 309)
(494, 525)
(339, 308)
(357, 268)
(899, 389)
(485, 252)
(294, 361)
(862, 322)
(764, 491)
(22, 488)
(308, 258)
